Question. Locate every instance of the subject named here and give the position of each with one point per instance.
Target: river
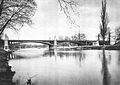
(84, 67)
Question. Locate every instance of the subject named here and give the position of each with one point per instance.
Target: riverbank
(4, 54)
(107, 47)
(113, 47)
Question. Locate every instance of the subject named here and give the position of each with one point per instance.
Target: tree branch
(1, 7)
(3, 28)
(69, 7)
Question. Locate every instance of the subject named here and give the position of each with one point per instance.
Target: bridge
(52, 42)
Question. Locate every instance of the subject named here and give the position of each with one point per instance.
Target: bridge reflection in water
(86, 67)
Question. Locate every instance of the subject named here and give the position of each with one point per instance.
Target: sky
(50, 21)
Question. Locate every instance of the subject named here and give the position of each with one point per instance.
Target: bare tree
(15, 13)
(117, 34)
(74, 37)
(104, 21)
(70, 7)
(79, 36)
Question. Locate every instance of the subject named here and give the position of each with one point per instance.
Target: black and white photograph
(59, 42)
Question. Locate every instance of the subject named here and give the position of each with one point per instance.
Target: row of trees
(15, 13)
(77, 37)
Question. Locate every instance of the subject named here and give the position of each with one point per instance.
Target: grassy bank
(113, 47)
(110, 47)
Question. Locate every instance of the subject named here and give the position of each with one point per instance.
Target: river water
(84, 67)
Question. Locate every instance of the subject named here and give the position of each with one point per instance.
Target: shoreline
(4, 54)
(107, 47)
(110, 47)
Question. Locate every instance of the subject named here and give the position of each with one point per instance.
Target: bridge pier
(50, 46)
(55, 42)
(6, 46)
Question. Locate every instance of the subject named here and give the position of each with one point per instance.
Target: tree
(74, 37)
(79, 36)
(15, 13)
(104, 22)
(117, 34)
(70, 8)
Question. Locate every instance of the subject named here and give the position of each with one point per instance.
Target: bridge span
(51, 42)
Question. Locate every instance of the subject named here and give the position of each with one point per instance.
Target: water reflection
(98, 67)
(105, 71)
(78, 55)
(119, 58)
(6, 74)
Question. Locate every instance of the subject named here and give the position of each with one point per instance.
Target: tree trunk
(103, 41)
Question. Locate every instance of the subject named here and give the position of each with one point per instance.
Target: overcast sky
(50, 21)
